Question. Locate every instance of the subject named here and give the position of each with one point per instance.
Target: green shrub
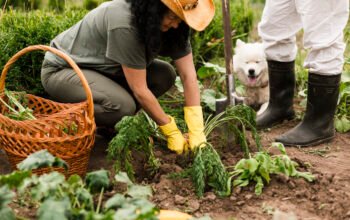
(19, 30)
(57, 5)
(90, 4)
(21, 4)
(208, 44)
(257, 1)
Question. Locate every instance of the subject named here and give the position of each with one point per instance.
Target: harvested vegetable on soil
(208, 170)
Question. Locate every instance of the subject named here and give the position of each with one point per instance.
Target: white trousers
(322, 21)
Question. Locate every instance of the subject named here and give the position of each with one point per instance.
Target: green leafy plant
(259, 168)
(342, 117)
(17, 107)
(215, 75)
(208, 44)
(54, 197)
(41, 159)
(6, 196)
(134, 204)
(238, 119)
(301, 73)
(14, 179)
(207, 168)
(133, 133)
(97, 180)
(57, 198)
(16, 104)
(214, 78)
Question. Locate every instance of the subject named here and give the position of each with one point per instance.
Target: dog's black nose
(251, 72)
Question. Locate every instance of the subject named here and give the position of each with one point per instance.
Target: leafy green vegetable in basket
(16, 105)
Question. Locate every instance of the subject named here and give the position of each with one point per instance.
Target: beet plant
(259, 167)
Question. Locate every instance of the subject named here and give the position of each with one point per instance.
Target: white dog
(250, 67)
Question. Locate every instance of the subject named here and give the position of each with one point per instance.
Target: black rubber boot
(318, 123)
(282, 84)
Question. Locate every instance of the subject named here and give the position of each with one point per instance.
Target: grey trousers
(112, 98)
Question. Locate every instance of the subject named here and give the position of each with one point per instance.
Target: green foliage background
(21, 29)
(23, 4)
(208, 44)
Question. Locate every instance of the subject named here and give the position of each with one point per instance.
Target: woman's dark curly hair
(148, 15)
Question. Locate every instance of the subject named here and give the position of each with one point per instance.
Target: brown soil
(327, 198)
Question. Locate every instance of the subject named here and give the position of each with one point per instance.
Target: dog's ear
(239, 43)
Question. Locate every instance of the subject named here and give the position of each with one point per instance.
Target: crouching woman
(116, 46)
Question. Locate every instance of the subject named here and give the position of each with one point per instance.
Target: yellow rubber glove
(176, 142)
(195, 124)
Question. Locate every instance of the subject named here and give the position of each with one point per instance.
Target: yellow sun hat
(196, 13)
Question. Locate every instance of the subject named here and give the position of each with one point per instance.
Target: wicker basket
(66, 130)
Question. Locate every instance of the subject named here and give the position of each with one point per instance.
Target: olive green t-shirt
(105, 39)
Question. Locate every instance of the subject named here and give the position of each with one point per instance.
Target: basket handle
(63, 56)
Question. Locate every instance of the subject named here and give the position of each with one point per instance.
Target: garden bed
(327, 198)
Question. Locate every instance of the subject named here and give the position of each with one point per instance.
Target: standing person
(323, 23)
(116, 46)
